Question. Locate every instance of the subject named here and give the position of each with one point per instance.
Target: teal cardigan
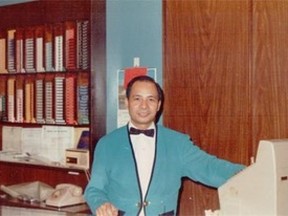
(114, 175)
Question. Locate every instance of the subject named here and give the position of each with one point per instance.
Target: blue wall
(134, 29)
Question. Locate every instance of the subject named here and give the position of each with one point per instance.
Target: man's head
(143, 98)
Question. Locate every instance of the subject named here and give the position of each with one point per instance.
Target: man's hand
(107, 209)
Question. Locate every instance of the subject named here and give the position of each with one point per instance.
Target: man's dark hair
(144, 79)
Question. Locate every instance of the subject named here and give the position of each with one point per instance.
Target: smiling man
(137, 169)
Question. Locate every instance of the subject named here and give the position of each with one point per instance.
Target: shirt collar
(152, 126)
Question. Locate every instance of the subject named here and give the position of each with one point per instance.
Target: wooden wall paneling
(12, 16)
(43, 12)
(206, 83)
(98, 72)
(57, 10)
(270, 70)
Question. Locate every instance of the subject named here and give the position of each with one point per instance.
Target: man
(140, 174)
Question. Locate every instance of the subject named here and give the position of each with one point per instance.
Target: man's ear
(126, 102)
(159, 105)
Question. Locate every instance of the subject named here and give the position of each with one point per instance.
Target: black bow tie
(148, 132)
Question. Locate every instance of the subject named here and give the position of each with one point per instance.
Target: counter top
(16, 207)
(12, 210)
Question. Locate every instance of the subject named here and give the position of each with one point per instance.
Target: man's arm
(206, 168)
(95, 193)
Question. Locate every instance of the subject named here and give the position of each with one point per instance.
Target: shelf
(67, 74)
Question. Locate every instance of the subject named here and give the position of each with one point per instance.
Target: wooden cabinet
(15, 173)
(60, 15)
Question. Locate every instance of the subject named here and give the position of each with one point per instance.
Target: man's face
(143, 104)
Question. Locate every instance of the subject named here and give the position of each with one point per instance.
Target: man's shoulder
(168, 131)
(172, 139)
(121, 131)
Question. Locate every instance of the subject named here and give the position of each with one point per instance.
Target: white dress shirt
(144, 150)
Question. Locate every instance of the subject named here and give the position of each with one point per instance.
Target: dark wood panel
(98, 72)
(206, 83)
(270, 65)
(201, 194)
(43, 12)
(206, 69)
(15, 173)
(13, 16)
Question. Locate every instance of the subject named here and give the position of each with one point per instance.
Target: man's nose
(143, 103)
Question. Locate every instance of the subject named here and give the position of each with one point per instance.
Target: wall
(134, 29)
(225, 66)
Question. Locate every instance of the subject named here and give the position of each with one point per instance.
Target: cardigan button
(144, 204)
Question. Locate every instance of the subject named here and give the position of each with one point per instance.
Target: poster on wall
(123, 78)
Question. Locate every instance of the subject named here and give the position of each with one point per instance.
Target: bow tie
(148, 132)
